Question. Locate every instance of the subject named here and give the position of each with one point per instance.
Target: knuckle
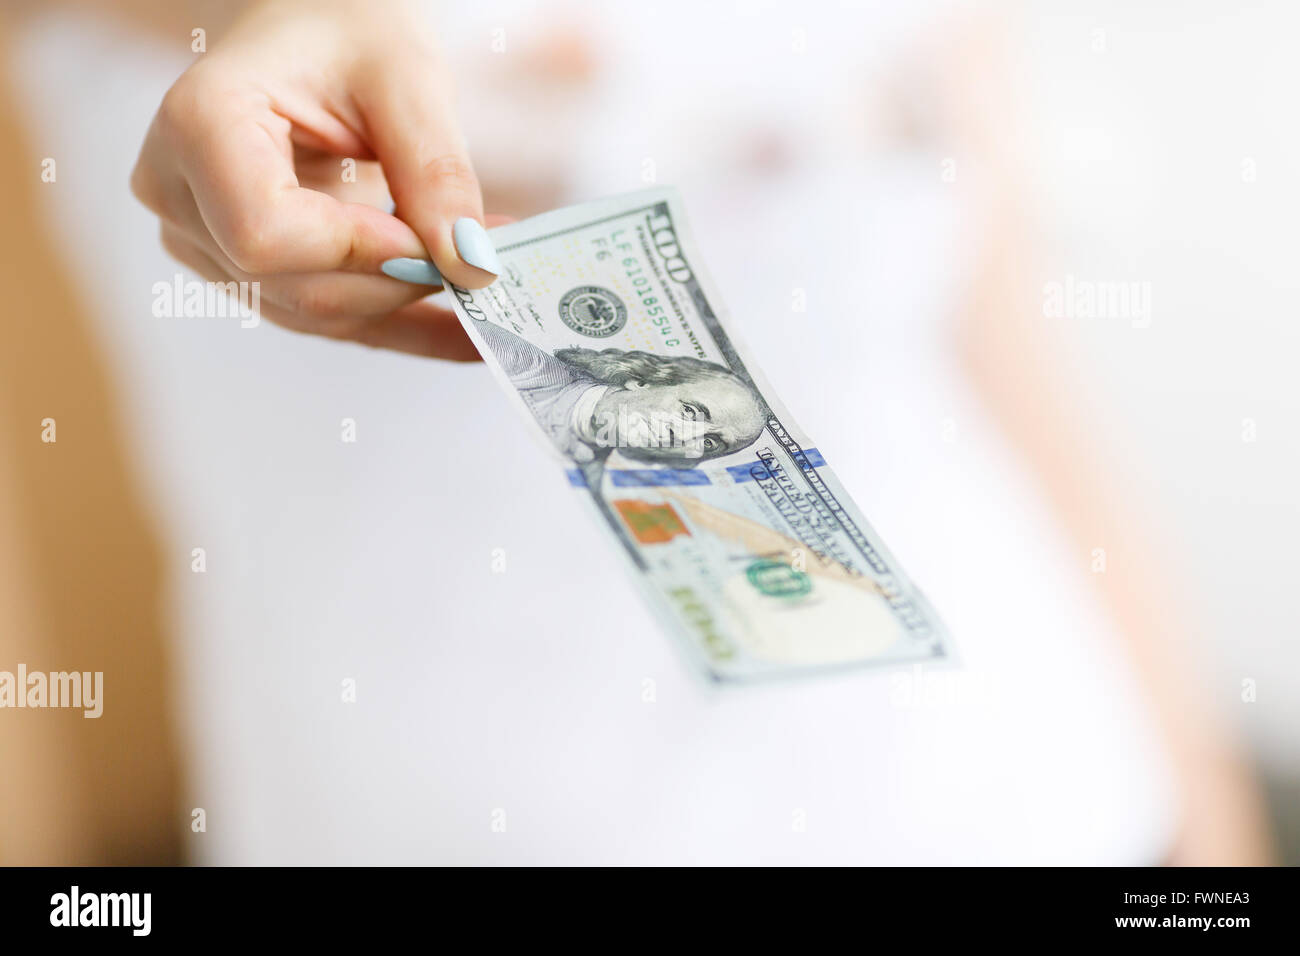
(191, 110)
(251, 249)
(451, 171)
(350, 257)
(181, 104)
(145, 187)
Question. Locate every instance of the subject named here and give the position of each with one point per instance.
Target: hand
(244, 164)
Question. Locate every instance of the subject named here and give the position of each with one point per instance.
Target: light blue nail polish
(474, 246)
(418, 271)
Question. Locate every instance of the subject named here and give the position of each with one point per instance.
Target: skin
(685, 423)
(243, 165)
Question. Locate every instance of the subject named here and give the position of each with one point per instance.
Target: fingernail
(474, 246)
(418, 271)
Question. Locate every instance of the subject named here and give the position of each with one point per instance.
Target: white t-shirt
(416, 647)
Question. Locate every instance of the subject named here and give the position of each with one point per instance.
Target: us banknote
(608, 335)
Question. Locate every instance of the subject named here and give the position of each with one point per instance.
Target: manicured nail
(418, 271)
(474, 246)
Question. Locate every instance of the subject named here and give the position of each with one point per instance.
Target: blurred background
(928, 178)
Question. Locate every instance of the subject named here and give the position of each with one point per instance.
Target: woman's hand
(273, 157)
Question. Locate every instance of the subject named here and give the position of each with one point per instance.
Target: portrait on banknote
(668, 410)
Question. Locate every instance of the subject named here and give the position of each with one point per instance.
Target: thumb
(409, 108)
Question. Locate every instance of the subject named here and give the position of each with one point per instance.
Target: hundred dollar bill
(609, 336)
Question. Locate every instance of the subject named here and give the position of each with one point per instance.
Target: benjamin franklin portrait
(674, 411)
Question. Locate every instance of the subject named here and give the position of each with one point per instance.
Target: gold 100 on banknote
(608, 335)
